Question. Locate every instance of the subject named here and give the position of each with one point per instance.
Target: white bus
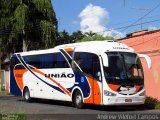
(96, 72)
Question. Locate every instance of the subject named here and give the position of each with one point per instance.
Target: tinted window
(124, 68)
(61, 61)
(88, 63)
(13, 62)
(42, 61)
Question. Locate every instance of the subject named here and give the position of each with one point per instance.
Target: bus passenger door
(97, 83)
(90, 65)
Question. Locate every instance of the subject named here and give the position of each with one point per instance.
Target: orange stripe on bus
(58, 84)
(137, 88)
(95, 95)
(90, 98)
(19, 77)
(113, 87)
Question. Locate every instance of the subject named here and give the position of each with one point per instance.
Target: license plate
(128, 100)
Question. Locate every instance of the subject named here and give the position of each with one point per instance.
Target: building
(147, 42)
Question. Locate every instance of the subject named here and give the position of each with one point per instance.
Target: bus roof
(90, 46)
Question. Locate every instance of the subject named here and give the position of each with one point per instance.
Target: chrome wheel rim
(78, 99)
(26, 95)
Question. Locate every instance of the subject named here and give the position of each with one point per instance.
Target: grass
(16, 116)
(13, 116)
(152, 103)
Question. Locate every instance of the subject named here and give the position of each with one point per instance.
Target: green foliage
(47, 31)
(95, 38)
(44, 7)
(13, 116)
(33, 21)
(90, 33)
(63, 38)
(152, 103)
(21, 17)
(77, 36)
(157, 105)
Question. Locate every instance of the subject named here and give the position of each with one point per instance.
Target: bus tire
(78, 100)
(26, 95)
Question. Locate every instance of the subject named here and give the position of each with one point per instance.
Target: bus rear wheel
(78, 100)
(26, 95)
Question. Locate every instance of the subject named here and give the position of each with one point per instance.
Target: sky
(107, 17)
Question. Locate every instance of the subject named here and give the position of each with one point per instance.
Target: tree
(27, 24)
(6, 23)
(95, 37)
(37, 19)
(63, 38)
(77, 36)
(90, 34)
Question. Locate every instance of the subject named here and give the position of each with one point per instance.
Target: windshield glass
(124, 68)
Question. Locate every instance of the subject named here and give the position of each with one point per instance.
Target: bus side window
(61, 61)
(32, 60)
(96, 68)
(13, 62)
(89, 63)
(46, 60)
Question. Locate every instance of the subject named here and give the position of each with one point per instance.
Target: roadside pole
(0, 69)
(0, 85)
(0, 59)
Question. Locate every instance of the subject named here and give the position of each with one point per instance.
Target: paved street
(64, 110)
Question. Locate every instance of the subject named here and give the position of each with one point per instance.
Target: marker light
(142, 94)
(108, 93)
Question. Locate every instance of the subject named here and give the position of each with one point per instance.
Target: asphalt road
(57, 110)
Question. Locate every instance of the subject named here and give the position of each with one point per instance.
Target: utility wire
(140, 18)
(36, 28)
(118, 28)
(138, 24)
(128, 21)
(143, 16)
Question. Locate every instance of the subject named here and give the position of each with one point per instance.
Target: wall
(4, 80)
(148, 43)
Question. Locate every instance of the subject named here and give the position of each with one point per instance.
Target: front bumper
(124, 100)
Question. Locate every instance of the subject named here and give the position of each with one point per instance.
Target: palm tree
(77, 36)
(64, 38)
(90, 34)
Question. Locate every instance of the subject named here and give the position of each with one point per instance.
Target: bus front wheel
(78, 100)
(26, 95)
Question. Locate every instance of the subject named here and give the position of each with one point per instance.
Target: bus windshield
(124, 69)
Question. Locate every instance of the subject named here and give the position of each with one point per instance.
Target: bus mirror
(105, 59)
(147, 58)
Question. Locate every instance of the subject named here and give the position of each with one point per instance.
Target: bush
(157, 106)
(152, 103)
(3, 88)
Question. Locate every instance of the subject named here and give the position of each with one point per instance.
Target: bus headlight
(142, 94)
(108, 93)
